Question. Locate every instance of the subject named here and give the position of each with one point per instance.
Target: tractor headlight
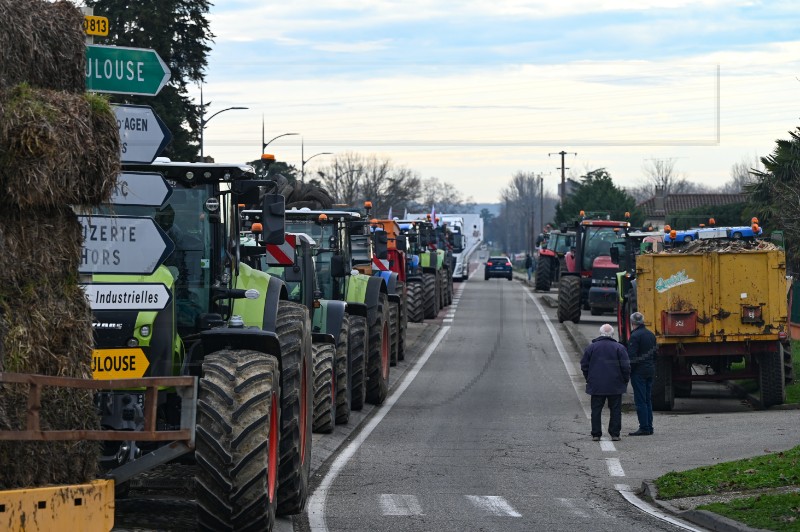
(133, 342)
(144, 330)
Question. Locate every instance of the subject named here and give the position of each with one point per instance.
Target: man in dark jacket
(642, 350)
(607, 369)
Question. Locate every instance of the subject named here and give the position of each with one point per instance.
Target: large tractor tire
(358, 357)
(569, 299)
(414, 302)
(403, 325)
(394, 332)
(378, 358)
(663, 392)
(324, 388)
(543, 274)
(770, 378)
(238, 412)
(442, 289)
(430, 295)
(340, 366)
(294, 333)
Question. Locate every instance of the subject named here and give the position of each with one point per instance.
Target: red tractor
(553, 258)
(593, 239)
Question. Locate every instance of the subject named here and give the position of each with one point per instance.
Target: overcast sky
(472, 91)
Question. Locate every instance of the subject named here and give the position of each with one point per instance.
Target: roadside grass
(767, 471)
(793, 390)
(779, 512)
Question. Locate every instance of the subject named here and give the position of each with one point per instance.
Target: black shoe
(641, 432)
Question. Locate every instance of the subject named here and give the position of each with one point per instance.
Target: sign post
(123, 245)
(148, 189)
(123, 70)
(142, 134)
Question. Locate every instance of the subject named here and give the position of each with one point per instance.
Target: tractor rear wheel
(663, 392)
(430, 295)
(324, 388)
(358, 356)
(543, 274)
(569, 299)
(238, 412)
(294, 333)
(394, 330)
(414, 302)
(403, 325)
(770, 377)
(379, 351)
(340, 366)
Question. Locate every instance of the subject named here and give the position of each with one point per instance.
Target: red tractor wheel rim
(303, 413)
(385, 352)
(272, 466)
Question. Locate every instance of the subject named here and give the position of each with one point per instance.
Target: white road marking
(316, 503)
(394, 504)
(572, 507)
(647, 508)
(608, 446)
(614, 467)
(493, 504)
(447, 320)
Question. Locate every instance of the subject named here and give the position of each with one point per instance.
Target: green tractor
(435, 271)
(343, 257)
(229, 325)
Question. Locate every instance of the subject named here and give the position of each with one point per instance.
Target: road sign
(123, 70)
(120, 296)
(128, 363)
(142, 134)
(123, 245)
(95, 25)
(148, 189)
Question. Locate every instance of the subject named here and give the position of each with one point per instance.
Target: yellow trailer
(710, 310)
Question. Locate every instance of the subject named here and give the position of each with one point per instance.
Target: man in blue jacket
(607, 369)
(642, 350)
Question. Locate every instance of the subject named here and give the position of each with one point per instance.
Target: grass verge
(793, 390)
(779, 512)
(767, 471)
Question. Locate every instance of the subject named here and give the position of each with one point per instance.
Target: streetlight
(265, 144)
(204, 121)
(303, 161)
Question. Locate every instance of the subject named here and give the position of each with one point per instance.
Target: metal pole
(202, 124)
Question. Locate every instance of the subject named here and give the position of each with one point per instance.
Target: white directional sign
(142, 134)
(117, 296)
(140, 188)
(123, 245)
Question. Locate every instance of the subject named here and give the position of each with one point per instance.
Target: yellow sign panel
(95, 25)
(119, 363)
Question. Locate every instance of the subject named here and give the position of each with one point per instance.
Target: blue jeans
(530, 272)
(643, 397)
(615, 419)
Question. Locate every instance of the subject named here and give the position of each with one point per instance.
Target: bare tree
(444, 196)
(742, 175)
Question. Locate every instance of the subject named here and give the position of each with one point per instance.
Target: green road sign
(122, 70)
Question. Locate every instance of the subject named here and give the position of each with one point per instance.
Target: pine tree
(179, 32)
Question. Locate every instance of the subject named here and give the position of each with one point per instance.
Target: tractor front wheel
(569, 299)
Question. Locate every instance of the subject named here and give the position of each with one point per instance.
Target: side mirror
(272, 219)
(400, 242)
(337, 266)
(614, 252)
(381, 242)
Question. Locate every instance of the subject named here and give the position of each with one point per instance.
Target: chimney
(658, 202)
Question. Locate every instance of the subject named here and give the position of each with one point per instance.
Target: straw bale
(42, 43)
(56, 148)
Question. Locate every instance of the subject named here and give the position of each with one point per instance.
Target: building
(659, 207)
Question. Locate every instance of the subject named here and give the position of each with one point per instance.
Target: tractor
(553, 259)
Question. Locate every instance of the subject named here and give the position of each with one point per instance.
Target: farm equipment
(553, 259)
(396, 262)
(415, 297)
(593, 239)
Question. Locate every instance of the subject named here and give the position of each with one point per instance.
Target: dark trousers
(643, 397)
(615, 406)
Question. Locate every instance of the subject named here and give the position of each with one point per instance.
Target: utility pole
(563, 191)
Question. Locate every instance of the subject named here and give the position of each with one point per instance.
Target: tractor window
(597, 243)
(360, 249)
(560, 243)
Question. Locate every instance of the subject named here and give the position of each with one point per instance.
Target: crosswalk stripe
(570, 504)
(494, 504)
(398, 504)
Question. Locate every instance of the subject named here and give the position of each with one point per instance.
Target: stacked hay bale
(303, 195)
(58, 148)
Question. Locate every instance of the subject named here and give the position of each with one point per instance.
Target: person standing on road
(607, 369)
(642, 349)
(529, 265)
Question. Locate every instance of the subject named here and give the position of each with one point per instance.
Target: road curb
(703, 518)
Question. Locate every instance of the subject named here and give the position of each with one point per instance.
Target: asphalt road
(489, 435)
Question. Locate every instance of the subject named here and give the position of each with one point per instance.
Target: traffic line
(608, 446)
(628, 495)
(493, 504)
(447, 320)
(571, 505)
(614, 467)
(318, 499)
(394, 504)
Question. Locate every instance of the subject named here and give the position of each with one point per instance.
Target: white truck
(467, 232)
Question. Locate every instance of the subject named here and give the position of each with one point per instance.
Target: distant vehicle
(745, 231)
(498, 267)
(684, 236)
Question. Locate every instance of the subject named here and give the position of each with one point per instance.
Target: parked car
(498, 267)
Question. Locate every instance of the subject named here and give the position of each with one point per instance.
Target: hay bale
(42, 43)
(56, 148)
